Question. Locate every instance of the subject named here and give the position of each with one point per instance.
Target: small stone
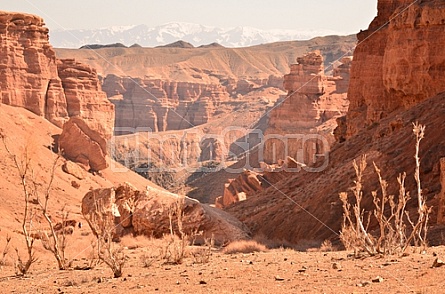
(202, 282)
(438, 263)
(377, 279)
(336, 266)
(278, 278)
(363, 284)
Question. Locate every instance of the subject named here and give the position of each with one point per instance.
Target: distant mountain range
(193, 33)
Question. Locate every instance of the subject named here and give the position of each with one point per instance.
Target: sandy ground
(274, 271)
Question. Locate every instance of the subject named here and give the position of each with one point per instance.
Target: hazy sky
(348, 16)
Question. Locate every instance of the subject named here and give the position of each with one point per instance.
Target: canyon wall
(162, 105)
(33, 78)
(398, 61)
(28, 76)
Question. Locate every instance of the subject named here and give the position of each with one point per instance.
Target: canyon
(258, 141)
(150, 97)
(172, 88)
(55, 127)
(385, 100)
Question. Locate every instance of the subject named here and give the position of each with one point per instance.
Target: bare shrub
(103, 227)
(202, 254)
(390, 213)
(326, 246)
(148, 259)
(175, 251)
(56, 241)
(5, 251)
(244, 246)
(23, 166)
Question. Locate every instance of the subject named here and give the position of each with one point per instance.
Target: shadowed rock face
(399, 64)
(33, 78)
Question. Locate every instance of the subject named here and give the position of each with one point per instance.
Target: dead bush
(108, 252)
(175, 249)
(202, 254)
(5, 251)
(244, 246)
(389, 212)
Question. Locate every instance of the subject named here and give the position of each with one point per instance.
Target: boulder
(83, 145)
(99, 210)
(73, 169)
(152, 211)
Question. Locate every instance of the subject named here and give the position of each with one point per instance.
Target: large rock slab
(79, 143)
(150, 213)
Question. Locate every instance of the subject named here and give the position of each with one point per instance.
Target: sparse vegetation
(202, 254)
(103, 227)
(244, 246)
(393, 235)
(30, 185)
(175, 249)
(23, 166)
(5, 251)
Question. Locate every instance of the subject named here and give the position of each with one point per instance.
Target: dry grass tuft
(244, 246)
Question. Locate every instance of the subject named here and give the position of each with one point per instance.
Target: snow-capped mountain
(193, 33)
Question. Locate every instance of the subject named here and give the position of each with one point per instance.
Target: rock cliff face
(28, 76)
(400, 61)
(168, 105)
(84, 97)
(396, 72)
(33, 78)
(312, 102)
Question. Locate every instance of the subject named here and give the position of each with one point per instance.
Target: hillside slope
(23, 129)
(306, 206)
(207, 65)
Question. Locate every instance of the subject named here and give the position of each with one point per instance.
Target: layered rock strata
(160, 105)
(313, 101)
(398, 61)
(33, 78)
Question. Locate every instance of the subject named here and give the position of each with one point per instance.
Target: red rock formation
(32, 77)
(441, 196)
(341, 75)
(238, 189)
(81, 144)
(84, 97)
(147, 213)
(28, 76)
(312, 102)
(401, 62)
(170, 105)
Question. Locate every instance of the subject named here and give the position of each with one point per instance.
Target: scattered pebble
(377, 279)
(438, 263)
(278, 278)
(336, 266)
(363, 284)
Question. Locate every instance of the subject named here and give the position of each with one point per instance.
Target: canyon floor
(274, 271)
